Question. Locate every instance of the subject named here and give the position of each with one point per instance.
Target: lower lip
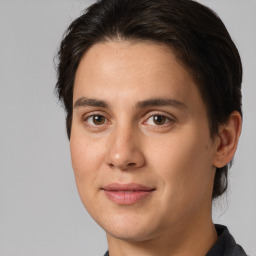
(127, 198)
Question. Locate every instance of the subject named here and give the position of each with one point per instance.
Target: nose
(124, 151)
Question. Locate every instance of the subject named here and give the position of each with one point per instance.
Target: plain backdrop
(40, 210)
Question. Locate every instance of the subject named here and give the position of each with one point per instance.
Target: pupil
(159, 120)
(98, 119)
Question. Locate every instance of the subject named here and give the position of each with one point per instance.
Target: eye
(158, 120)
(95, 120)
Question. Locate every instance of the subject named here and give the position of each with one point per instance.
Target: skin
(176, 156)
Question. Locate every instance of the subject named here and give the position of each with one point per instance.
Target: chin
(134, 235)
(132, 229)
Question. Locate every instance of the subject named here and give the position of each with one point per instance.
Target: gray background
(40, 210)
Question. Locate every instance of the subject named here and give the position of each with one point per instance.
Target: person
(152, 93)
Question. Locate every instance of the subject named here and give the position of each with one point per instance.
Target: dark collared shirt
(225, 245)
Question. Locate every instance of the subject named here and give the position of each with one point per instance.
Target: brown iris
(98, 120)
(159, 120)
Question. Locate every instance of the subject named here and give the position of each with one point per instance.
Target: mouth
(127, 194)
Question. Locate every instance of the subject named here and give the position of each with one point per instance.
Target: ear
(227, 140)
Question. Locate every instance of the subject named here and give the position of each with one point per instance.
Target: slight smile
(127, 194)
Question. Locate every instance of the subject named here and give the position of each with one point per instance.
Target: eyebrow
(154, 102)
(161, 102)
(88, 102)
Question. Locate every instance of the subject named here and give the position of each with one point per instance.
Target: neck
(190, 238)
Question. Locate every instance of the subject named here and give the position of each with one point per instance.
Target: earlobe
(228, 137)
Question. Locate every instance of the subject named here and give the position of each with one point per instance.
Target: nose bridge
(123, 149)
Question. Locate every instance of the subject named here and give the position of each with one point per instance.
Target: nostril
(125, 166)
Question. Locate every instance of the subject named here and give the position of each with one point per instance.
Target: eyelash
(167, 119)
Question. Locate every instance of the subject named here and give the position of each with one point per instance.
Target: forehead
(127, 65)
(129, 56)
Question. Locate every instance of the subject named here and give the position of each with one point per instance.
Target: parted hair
(196, 34)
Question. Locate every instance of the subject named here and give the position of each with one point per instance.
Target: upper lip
(127, 187)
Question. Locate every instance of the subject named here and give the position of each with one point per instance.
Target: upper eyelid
(94, 113)
(160, 113)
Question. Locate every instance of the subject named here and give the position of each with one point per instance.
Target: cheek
(184, 163)
(86, 160)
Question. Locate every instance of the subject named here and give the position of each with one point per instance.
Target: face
(140, 142)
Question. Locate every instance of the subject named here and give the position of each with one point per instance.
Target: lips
(127, 194)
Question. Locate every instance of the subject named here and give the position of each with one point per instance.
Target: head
(196, 35)
(192, 36)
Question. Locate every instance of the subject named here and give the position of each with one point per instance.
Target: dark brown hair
(196, 34)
